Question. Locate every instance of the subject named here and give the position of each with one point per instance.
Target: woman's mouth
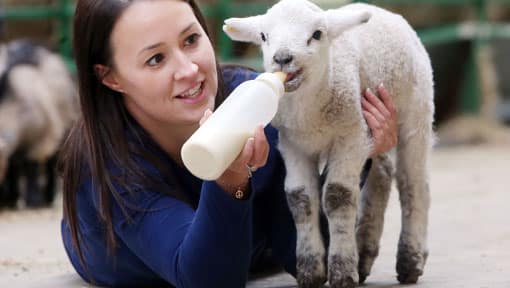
(193, 95)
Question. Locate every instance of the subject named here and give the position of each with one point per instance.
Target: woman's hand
(381, 117)
(253, 156)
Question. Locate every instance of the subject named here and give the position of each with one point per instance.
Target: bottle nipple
(281, 75)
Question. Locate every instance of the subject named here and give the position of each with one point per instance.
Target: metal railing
(478, 30)
(63, 12)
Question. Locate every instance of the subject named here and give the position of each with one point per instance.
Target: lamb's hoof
(363, 273)
(410, 265)
(409, 277)
(366, 261)
(342, 272)
(344, 282)
(310, 271)
(362, 278)
(311, 282)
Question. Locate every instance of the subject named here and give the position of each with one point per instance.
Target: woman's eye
(317, 35)
(192, 39)
(155, 60)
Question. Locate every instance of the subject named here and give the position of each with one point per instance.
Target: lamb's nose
(282, 57)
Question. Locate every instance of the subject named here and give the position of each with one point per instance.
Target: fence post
(470, 100)
(64, 14)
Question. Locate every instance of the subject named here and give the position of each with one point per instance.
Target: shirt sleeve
(206, 247)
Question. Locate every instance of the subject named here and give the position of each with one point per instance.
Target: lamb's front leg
(302, 189)
(340, 200)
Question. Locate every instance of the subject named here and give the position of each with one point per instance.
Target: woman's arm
(206, 247)
(209, 247)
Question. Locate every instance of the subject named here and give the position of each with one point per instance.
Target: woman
(133, 215)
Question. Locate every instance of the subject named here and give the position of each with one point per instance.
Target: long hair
(99, 135)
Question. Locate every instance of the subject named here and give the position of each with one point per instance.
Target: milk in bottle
(217, 143)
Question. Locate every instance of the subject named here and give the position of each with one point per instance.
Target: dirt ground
(469, 231)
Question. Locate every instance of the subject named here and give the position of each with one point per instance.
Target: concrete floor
(469, 231)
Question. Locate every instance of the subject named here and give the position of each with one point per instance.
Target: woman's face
(164, 64)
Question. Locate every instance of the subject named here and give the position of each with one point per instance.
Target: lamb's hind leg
(413, 186)
(374, 199)
(302, 190)
(340, 201)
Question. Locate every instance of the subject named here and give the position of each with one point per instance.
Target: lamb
(37, 107)
(331, 57)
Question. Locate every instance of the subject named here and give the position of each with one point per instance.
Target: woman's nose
(186, 68)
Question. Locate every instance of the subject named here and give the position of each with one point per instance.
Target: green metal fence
(63, 12)
(478, 30)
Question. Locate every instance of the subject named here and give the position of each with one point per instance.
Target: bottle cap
(275, 81)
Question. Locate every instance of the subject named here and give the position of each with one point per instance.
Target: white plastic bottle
(217, 143)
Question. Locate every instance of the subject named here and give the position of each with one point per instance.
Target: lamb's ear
(244, 29)
(339, 20)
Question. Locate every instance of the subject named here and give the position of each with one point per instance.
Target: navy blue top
(209, 242)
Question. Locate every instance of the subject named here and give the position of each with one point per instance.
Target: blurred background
(468, 42)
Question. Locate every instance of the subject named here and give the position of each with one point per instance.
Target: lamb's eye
(263, 37)
(317, 35)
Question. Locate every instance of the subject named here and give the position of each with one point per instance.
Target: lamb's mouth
(293, 80)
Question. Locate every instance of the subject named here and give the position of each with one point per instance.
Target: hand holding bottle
(212, 149)
(253, 156)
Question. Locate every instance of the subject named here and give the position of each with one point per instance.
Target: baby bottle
(217, 143)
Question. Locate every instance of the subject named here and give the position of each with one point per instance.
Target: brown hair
(99, 136)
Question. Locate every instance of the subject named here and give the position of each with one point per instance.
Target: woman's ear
(107, 77)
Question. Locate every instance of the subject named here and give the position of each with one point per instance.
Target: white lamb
(332, 57)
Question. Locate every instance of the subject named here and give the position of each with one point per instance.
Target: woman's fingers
(237, 173)
(254, 153)
(261, 149)
(248, 151)
(376, 101)
(367, 106)
(372, 103)
(381, 117)
(240, 163)
(392, 119)
(372, 122)
(388, 102)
